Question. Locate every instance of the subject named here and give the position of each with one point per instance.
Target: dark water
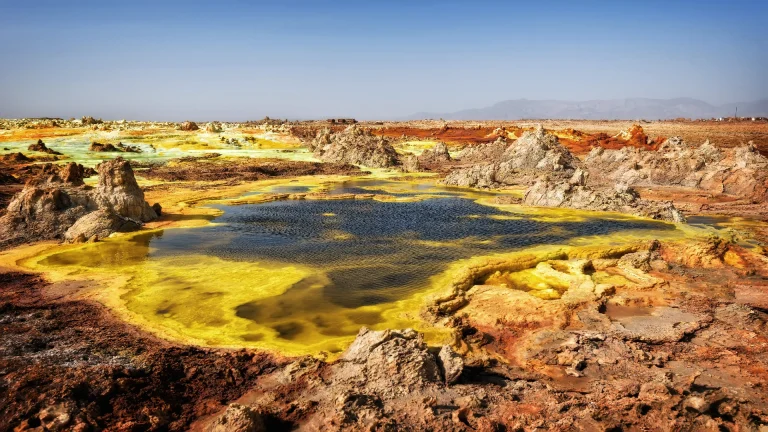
(374, 252)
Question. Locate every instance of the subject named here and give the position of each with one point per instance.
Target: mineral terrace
(340, 275)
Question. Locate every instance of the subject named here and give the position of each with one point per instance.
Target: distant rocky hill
(614, 109)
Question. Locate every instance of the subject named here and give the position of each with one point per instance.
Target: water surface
(304, 275)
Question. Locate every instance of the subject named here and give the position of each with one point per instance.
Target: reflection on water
(310, 273)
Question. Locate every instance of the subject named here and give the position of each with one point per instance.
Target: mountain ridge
(603, 109)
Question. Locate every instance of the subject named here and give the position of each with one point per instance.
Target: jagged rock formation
(188, 126)
(533, 154)
(576, 194)
(57, 204)
(41, 147)
(353, 145)
(740, 171)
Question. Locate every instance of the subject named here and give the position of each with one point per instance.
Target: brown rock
(188, 126)
(653, 391)
(238, 418)
(451, 363)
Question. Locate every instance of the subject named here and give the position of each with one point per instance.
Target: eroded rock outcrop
(353, 145)
(57, 204)
(740, 171)
(118, 191)
(576, 194)
(522, 162)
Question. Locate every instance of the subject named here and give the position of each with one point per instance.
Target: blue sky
(236, 60)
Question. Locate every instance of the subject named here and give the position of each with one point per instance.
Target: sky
(239, 60)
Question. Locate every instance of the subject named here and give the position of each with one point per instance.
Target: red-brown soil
(246, 169)
(103, 374)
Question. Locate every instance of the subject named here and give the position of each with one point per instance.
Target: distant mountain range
(613, 109)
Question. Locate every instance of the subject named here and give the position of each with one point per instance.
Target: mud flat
(279, 291)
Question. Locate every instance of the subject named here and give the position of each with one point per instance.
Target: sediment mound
(353, 145)
(17, 157)
(41, 147)
(55, 205)
(740, 171)
(110, 148)
(533, 154)
(106, 148)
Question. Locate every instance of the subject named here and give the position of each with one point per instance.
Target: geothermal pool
(302, 276)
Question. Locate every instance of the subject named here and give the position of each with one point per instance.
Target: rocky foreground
(648, 337)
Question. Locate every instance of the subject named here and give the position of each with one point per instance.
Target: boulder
(188, 126)
(451, 364)
(388, 362)
(101, 224)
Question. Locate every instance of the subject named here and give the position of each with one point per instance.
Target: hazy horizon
(299, 59)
